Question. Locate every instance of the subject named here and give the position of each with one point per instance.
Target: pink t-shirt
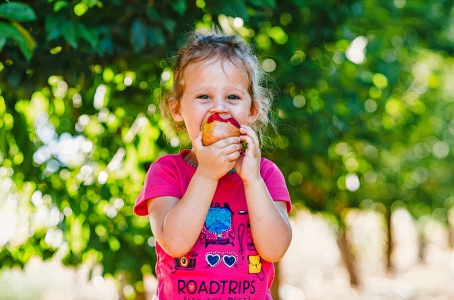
(223, 264)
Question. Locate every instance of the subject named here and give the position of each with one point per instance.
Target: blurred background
(364, 94)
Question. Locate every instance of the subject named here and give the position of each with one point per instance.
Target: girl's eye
(233, 97)
(203, 96)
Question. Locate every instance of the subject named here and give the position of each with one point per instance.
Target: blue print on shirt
(218, 220)
(218, 229)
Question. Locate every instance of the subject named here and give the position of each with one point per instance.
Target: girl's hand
(218, 159)
(248, 165)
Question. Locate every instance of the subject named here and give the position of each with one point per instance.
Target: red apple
(217, 128)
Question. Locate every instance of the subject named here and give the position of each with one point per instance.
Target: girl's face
(210, 87)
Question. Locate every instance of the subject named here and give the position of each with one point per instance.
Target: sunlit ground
(51, 281)
(311, 269)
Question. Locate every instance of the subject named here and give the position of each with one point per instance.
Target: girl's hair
(214, 44)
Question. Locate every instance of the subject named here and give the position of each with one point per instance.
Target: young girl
(219, 215)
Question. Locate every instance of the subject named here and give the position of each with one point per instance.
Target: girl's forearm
(187, 216)
(270, 228)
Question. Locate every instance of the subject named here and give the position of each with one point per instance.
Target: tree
(363, 109)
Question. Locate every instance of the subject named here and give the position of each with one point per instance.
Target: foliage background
(363, 106)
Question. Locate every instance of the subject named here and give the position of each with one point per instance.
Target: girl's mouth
(216, 117)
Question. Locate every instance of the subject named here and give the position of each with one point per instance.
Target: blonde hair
(214, 44)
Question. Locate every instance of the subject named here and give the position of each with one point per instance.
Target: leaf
(138, 35)
(235, 8)
(90, 3)
(53, 26)
(2, 42)
(153, 14)
(155, 36)
(17, 11)
(107, 45)
(89, 35)
(70, 34)
(270, 3)
(169, 25)
(260, 3)
(8, 31)
(29, 41)
(256, 2)
(60, 5)
(179, 6)
(299, 3)
(77, 235)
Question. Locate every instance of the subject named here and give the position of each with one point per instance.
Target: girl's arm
(270, 226)
(177, 223)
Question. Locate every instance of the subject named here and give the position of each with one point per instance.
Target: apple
(216, 128)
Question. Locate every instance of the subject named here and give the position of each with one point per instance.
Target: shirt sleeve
(161, 180)
(275, 182)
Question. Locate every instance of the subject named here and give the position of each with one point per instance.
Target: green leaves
(2, 41)
(17, 11)
(59, 5)
(167, 23)
(138, 35)
(141, 35)
(234, 8)
(386, 122)
(260, 3)
(72, 32)
(179, 6)
(19, 35)
(8, 31)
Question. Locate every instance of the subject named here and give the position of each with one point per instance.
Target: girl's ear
(254, 112)
(174, 107)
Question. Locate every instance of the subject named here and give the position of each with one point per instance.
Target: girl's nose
(219, 106)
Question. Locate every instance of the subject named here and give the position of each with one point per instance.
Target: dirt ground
(311, 269)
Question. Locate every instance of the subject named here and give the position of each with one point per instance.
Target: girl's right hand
(218, 159)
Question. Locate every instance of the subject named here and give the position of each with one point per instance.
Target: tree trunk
(140, 296)
(451, 236)
(451, 227)
(389, 265)
(276, 282)
(348, 258)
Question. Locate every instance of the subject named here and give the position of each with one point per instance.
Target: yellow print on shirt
(255, 264)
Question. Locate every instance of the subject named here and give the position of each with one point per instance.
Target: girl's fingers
(252, 145)
(233, 156)
(239, 163)
(224, 151)
(234, 147)
(197, 142)
(247, 131)
(228, 145)
(228, 141)
(230, 152)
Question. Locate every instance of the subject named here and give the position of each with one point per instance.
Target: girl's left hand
(248, 165)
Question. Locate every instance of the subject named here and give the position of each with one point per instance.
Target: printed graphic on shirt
(235, 288)
(255, 266)
(218, 229)
(213, 259)
(187, 262)
(250, 242)
(241, 229)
